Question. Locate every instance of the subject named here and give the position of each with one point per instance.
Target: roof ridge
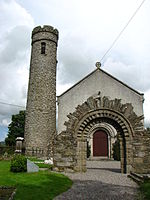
(99, 69)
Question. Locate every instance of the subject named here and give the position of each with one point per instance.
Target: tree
(148, 129)
(15, 128)
(116, 150)
(88, 150)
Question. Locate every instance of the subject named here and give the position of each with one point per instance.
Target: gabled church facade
(96, 85)
(91, 114)
(96, 82)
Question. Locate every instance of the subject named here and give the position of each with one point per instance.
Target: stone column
(129, 155)
(121, 154)
(81, 155)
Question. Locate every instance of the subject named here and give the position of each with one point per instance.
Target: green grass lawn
(145, 189)
(43, 185)
(40, 162)
(34, 159)
(43, 165)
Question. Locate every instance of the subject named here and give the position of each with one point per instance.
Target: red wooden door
(100, 143)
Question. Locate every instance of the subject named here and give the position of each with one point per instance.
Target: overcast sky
(86, 30)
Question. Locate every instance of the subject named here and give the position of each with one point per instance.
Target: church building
(93, 114)
(98, 83)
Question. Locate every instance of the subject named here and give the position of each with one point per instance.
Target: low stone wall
(37, 152)
(9, 150)
(141, 153)
(68, 156)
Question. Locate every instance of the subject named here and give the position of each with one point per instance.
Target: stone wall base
(141, 153)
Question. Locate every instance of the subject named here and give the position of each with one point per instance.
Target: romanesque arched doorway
(107, 144)
(100, 143)
(90, 123)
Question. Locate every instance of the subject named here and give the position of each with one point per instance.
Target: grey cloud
(13, 83)
(133, 74)
(17, 42)
(84, 38)
(77, 61)
(16, 26)
(147, 123)
(74, 61)
(24, 92)
(6, 110)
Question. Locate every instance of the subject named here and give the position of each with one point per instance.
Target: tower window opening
(43, 47)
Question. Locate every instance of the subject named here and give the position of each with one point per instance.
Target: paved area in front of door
(102, 180)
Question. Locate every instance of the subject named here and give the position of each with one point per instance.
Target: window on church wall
(43, 47)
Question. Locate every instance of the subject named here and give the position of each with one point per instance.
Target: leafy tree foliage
(116, 150)
(15, 128)
(88, 150)
(148, 129)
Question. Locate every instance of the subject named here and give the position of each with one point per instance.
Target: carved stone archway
(122, 127)
(111, 132)
(71, 153)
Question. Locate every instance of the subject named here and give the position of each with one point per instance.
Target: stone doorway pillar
(81, 155)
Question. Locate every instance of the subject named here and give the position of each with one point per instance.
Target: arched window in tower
(43, 47)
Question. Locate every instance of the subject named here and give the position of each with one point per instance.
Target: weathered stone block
(64, 164)
(67, 159)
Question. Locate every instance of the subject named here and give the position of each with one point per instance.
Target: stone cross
(98, 65)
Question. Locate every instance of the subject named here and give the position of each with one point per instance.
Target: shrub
(9, 150)
(18, 164)
(116, 150)
(88, 150)
(145, 189)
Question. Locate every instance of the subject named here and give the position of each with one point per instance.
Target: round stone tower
(40, 122)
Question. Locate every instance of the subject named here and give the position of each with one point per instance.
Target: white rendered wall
(91, 85)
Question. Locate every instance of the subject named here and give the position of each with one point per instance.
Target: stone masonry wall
(40, 122)
(141, 153)
(64, 154)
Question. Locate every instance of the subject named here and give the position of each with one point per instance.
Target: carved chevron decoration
(99, 102)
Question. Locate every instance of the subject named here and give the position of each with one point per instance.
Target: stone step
(138, 178)
(99, 158)
(134, 178)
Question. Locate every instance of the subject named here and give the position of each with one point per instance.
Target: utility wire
(111, 46)
(10, 104)
(118, 36)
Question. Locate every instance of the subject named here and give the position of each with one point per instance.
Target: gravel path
(102, 180)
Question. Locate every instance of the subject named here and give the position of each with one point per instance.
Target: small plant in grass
(18, 164)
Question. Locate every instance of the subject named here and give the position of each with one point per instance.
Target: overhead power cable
(118, 36)
(2, 128)
(10, 104)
